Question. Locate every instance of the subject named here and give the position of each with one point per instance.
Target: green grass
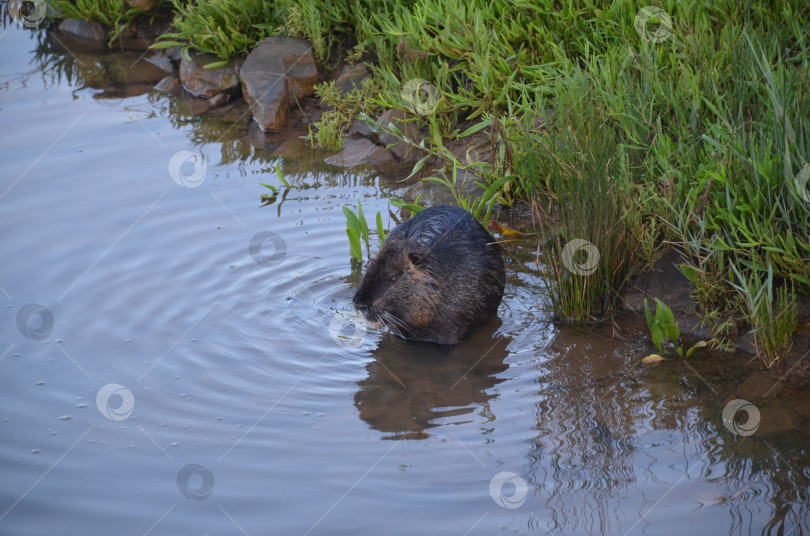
(113, 13)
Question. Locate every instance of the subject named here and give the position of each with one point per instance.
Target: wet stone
(207, 83)
(169, 85)
(360, 151)
(276, 74)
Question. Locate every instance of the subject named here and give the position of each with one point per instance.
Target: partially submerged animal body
(438, 277)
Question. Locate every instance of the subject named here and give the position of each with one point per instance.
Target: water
(190, 382)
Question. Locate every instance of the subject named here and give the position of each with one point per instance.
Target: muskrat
(438, 277)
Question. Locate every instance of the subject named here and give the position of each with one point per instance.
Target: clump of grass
(771, 313)
(584, 166)
(225, 28)
(113, 13)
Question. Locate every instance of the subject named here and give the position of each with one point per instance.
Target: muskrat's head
(398, 289)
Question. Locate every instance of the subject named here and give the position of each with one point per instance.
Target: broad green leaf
(351, 220)
(656, 335)
(354, 244)
(363, 225)
(672, 332)
(648, 315)
(275, 190)
(380, 229)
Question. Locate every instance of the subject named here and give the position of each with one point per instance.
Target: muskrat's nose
(361, 306)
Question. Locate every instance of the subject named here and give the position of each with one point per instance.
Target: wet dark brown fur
(438, 277)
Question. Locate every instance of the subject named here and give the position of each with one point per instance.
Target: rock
(219, 100)
(142, 33)
(132, 68)
(402, 151)
(169, 85)
(360, 151)
(93, 34)
(146, 5)
(161, 60)
(665, 282)
(276, 73)
(207, 83)
(359, 128)
(351, 76)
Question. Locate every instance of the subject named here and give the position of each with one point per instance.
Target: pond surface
(192, 366)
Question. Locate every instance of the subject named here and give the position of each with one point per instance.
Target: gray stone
(405, 123)
(359, 128)
(169, 85)
(665, 282)
(146, 5)
(84, 31)
(350, 77)
(275, 74)
(207, 83)
(360, 151)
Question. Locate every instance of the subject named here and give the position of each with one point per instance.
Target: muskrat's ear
(415, 258)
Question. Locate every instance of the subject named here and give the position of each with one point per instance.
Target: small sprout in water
(281, 176)
(275, 190)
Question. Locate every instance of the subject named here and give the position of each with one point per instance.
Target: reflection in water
(609, 430)
(414, 386)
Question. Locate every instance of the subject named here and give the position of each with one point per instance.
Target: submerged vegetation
(629, 128)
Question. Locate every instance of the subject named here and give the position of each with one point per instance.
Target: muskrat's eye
(393, 279)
